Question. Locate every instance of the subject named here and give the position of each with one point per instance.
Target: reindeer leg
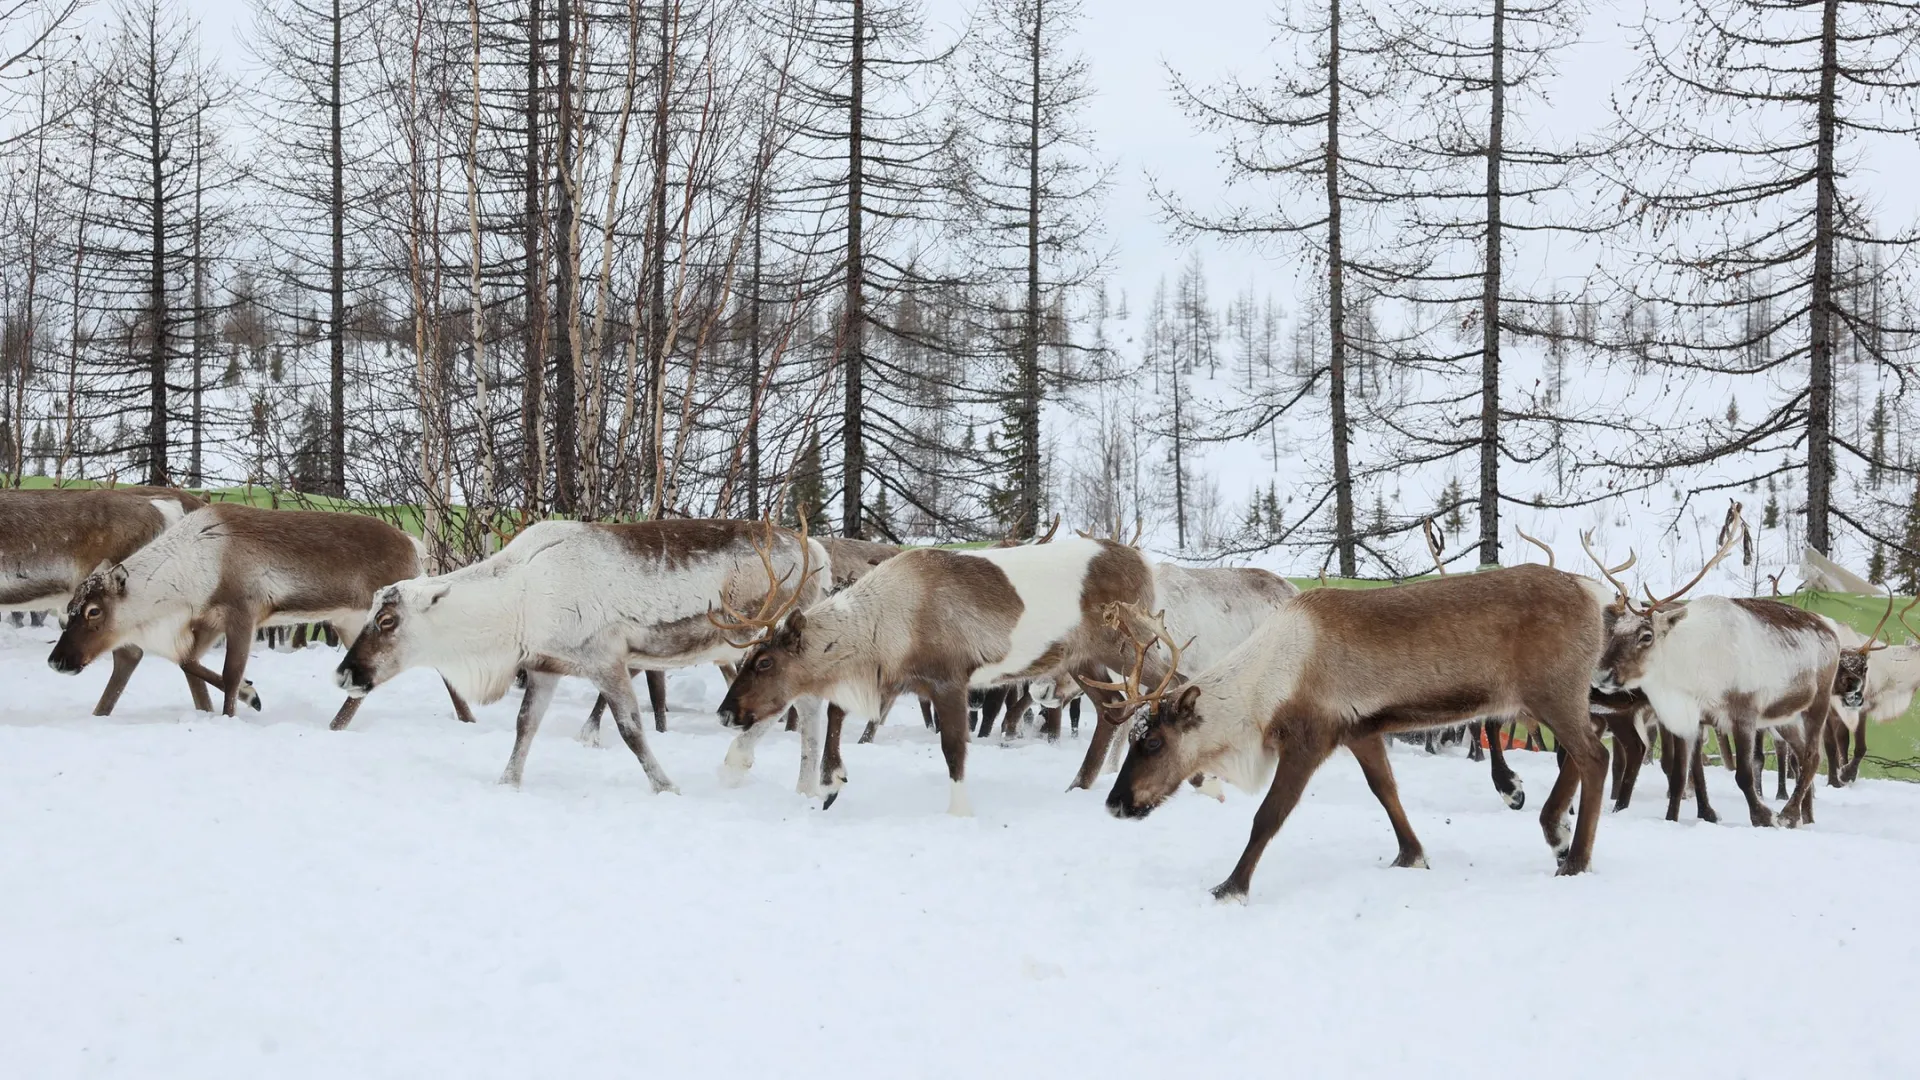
(1476, 738)
(833, 774)
(239, 638)
(616, 684)
(1743, 746)
(1050, 723)
(1804, 737)
(1299, 760)
(1073, 714)
(1583, 768)
(1371, 753)
(1016, 713)
(950, 709)
(125, 659)
(990, 702)
(739, 760)
(460, 709)
(872, 729)
(1859, 750)
(1674, 750)
(590, 731)
(1512, 791)
(926, 714)
(1631, 754)
(657, 697)
(1780, 766)
(808, 712)
(793, 718)
(1834, 739)
(347, 711)
(1702, 809)
(533, 706)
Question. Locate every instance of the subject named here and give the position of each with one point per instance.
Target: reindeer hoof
(668, 788)
(1517, 798)
(827, 803)
(732, 776)
(1569, 867)
(1763, 818)
(590, 736)
(251, 696)
(1229, 893)
(508, 779)
(1710, 817)
(1411, 861)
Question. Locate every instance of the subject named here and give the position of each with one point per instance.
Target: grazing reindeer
(1339, 667)
(1875, 682)
(50, 540)
(1742, 665)
(936, 622)
(227, 569)
(596, 601)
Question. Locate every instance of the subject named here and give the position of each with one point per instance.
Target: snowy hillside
(204, 898)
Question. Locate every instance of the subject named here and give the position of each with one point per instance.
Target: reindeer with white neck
(1887, 676)
(1742, 665)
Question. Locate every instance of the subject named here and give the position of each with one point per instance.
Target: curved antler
(1870, 647)
(1911, 632)
(1626, 595)
(1117, 615)
(1731, 535)
(772, 607)
(1536, 543)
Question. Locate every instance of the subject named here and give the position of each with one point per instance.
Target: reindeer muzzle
(63, 663)
(349, 677)
(1853, 699)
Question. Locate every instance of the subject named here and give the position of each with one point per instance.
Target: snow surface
(199, 897)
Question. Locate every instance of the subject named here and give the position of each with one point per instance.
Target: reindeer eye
(92, 612)
(763, 663)
(386, 622)
(1153, 743)
(1646, 637)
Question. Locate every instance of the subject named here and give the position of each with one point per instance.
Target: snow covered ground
(195, 897)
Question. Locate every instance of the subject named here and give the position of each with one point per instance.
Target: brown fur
(1520, 642)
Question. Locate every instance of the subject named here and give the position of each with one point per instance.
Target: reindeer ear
(438, 595)
(1186, 707)
(788, 636)
(118, 578)
(1664, 621)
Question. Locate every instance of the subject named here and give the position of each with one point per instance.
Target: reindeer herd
(1213, 674)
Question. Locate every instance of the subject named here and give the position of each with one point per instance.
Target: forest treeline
(682, 257)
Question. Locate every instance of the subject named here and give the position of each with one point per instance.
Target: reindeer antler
(1626, 595)
(1911, 632)
(772, 607)
(1117, 615)
(1536, 543)
(1870, 647)
(1433, 545)
(1731, 535)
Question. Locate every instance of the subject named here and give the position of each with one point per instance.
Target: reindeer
(225, 570)
(1742, 665)
(594, 601)
(50, 540)
(1875, 682)
(936, 622)
(1339, 667)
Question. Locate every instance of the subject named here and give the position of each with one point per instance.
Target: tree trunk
(532, 406)
(1821, 303)
(657, 280)
(566, 413)
(853, 449)
(337, 272)
(1490, 302)
(157, 276)
(1027, 513)
(1337, 312)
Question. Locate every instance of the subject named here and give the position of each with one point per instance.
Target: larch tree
(1749, 129)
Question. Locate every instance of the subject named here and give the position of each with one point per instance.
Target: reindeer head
(1850, 678)
(93, 621)
(1167, 743)
(783, 662)
(390, 642)
(1635, 630)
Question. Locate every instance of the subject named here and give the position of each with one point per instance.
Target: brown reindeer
(226, 569)
(1346, 668)
(50, 540)
(935, 622)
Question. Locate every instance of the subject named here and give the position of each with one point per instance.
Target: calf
(50, 540)
(595, 601)
(1340, 667)
(227, 569)
(937, 622)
